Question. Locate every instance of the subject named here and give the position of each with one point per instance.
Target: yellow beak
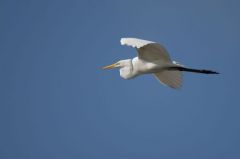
(110, 66)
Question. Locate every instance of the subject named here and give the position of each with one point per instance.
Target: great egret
(152, 58)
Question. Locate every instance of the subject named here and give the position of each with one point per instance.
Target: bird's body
(152, 58)
(136, 67)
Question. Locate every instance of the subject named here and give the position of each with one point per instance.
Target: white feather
(134, 42)
(148, 50)
(172, 79)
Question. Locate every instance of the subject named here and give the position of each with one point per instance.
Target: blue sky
(56, 102)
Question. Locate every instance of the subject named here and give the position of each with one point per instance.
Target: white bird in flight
(154, 59)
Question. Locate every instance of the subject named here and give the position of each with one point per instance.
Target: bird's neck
(128, 72)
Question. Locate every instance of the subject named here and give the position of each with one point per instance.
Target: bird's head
(121, 64)
(126, 68)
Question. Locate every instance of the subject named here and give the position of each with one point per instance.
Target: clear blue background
(56, 102)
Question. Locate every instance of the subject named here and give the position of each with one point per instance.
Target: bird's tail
(181, 68)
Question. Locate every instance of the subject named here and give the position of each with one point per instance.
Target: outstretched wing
(172, 79)
(147, 50)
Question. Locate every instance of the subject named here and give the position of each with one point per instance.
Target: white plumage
(147, 50)
(134, 42)
(152, 58)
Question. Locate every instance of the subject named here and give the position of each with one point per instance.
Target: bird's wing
(147, 50)
(172, 79)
